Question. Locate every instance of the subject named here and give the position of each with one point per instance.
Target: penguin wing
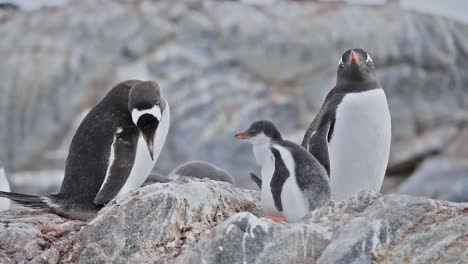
(280, 175)
(321, 130)
(122, 158)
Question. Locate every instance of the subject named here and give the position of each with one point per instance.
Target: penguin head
(356, 65)
(260, 132)
(146, 105)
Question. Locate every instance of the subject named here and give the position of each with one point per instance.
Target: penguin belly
(143, 164)
(5, 187)
(294, 203)
(268, 168)
(360, 145)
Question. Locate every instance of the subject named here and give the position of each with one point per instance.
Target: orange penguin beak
(353, 57)
(242, 136)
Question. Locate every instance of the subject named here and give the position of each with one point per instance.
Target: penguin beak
(149, 139)
(242, 136)
(353, 57)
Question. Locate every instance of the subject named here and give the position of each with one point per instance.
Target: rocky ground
(202, 221)
(223, 64)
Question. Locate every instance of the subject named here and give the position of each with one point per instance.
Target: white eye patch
(369, 59)
(341, 61)
(154, 111)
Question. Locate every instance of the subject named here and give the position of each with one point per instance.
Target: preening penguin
(293, 181)
(356, 119)
(112, 152)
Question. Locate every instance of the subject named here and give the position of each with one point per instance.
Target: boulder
(205, 221)
(157, 221)
(364, 229)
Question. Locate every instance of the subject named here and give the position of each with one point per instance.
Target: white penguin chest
(143, 164)
(293, 202)
(360, 145)
(4, 187)
(268, 169)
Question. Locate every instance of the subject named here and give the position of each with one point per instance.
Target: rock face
(230, 63)
(204, 221)
(367, 229)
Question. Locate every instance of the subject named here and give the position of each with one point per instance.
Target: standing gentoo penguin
(4, 187)
(356, 118)
(112, 152)
(293, 181)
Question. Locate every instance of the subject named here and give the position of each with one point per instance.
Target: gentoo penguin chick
(356, 119)
(293, 181)
(201, 169)
(4, 187)
(155, 178)
(112, 152)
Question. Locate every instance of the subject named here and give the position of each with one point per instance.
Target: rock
(444, 176)
(157, 221)
(413, 151)
(204, 221)
(33, 236)
(365, 229)
(439, 178)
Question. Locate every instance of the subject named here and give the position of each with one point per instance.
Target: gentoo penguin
(155, 177)
(4, 187)
(293, 181)
(201, 169)
(356, 119)
(112, 152)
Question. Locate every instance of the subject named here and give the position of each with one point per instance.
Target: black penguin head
(356, 65)
(260, 132)
(145, 104)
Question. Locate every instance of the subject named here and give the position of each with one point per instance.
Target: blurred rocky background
(224, 64)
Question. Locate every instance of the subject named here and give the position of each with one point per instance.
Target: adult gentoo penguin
(356, 118)
(112, 152)
(293, 181)
(4, 187)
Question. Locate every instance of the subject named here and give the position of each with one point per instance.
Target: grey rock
(28, 236)
(204, 221)
(201, 169)
(364, 229)
(157, 221)
(439, 178)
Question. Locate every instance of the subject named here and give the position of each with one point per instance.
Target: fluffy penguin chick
(112, 152)
(356, 118)
(293, 181)
(201, 169)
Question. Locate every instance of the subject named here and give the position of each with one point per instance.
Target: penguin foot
(278, 219)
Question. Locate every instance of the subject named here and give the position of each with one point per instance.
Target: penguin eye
(341, 63)
(368, 59)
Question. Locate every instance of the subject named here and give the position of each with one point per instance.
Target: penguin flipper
(30, 201)
(256, 179)
(118, 170)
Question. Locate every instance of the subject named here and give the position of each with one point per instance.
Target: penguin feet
(277, 219)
